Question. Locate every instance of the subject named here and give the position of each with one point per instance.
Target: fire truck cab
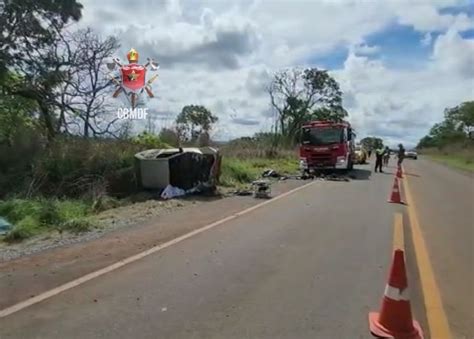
(327, 145)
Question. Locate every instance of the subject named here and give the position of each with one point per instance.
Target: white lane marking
(79, 281)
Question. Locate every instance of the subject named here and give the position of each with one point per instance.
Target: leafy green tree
(195, 120)
(372, 143)
(30, 45)
(299, 95)
(446, 132)
(462, 116)
(457, 126)
(330, 114)
(16, 114)
(30, 25)
(426, 142)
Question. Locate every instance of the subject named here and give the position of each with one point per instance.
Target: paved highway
(309, 265)
(444, 201)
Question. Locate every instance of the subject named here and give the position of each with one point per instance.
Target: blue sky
(467, 8)
(399, 46)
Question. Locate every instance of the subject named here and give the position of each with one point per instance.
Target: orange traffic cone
(395, 196)
(395, 319)
(400, 172)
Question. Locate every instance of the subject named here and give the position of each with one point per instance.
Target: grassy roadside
(31, 217)
(237, 172)
(460, 156)
(454, 160)
(34, 216)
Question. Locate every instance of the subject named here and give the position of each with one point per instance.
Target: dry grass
(252, 149)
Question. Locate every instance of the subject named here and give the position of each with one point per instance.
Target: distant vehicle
(411, 154)
(360, 155)
(327, 145)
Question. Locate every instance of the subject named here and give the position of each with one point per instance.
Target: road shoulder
(28, 276)
(452, 165)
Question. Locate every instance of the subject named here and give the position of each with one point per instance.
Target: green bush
(31, 217)
(24, 229)
(235, 171)
(79, 168)
(15, 210)
(76, 225)
(48, 213)
(71, 209)
(149, 141)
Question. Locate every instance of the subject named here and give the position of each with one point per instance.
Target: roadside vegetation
(33, 216)
(245, 159)
(59, 187)
(64, 154)
(460, 156)
(452, 141)
(237, 172)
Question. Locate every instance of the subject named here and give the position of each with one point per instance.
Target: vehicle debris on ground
(261, 189)
(5, 226)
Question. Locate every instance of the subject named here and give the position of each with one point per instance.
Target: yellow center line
(398, 234)
(435, 313)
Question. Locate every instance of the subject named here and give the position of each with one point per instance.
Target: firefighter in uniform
(386, 156)
(379, 153)
(400, 154)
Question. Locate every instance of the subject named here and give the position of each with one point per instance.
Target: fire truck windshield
(322, 135)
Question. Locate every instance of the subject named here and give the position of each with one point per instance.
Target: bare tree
(66, 81)
(86, 92)
(150, 124)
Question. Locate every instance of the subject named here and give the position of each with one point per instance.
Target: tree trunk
(47, 120)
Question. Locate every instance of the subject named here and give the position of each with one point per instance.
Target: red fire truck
(327, 145)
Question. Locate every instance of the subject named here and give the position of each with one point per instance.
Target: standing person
(386, 156)
(400, 154)
(370, 152)
(379, 152)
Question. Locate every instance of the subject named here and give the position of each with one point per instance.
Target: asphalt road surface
(445, 204)
(309, 265)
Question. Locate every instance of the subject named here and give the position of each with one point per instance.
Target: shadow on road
(360, 174)
(388, 173)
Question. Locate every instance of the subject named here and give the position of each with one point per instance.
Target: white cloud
(401, 105)
(453, 54)
(425, 17)
(222, 54)
(427, 39)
